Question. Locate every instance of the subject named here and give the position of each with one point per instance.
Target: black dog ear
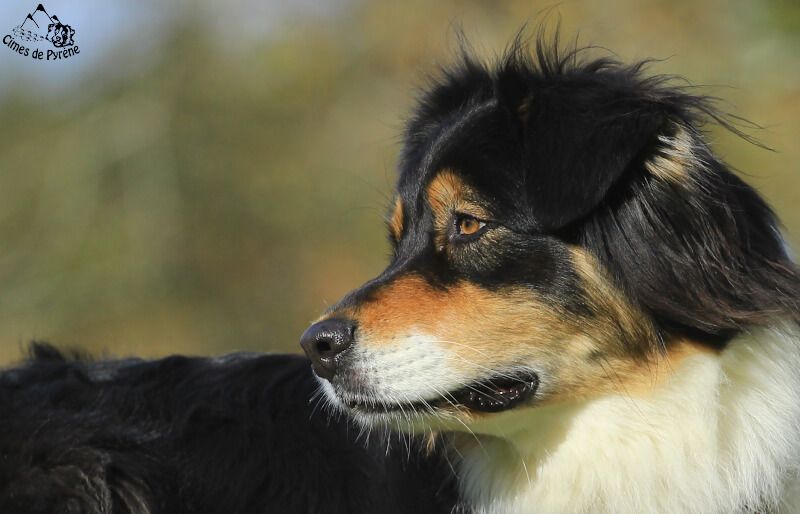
(578, 139)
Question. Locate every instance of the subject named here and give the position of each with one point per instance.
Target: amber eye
(467, 225)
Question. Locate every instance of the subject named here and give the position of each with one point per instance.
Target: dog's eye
(469, 226)
(466, 225)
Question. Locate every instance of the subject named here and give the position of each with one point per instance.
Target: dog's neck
(721, 435)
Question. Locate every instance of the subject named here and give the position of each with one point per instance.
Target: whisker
(491, 371)
(477, 440)
(463, 345)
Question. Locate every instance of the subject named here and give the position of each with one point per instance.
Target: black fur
(558, 147)
(194, 436)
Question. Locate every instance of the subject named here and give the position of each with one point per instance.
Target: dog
(585, 311)
(59, 34)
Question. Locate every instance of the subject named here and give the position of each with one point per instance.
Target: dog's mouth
(496, 394)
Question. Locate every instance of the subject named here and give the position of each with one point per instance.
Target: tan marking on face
(610, 350)
(464, 317)
(616, 315)
(447, 194)
(499, 329)
(675, 157)
(632, 370)
(396, 221)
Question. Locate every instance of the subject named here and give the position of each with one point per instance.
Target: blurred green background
(208, 176)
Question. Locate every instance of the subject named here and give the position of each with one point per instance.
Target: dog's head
(60, 35)
(559, 226)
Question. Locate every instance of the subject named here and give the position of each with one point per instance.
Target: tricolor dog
(585, 311)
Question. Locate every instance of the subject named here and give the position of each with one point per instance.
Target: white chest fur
(720, 434)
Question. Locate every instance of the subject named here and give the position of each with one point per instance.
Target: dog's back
(193, 435)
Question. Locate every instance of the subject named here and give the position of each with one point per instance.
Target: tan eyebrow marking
(447, 193)
(396, 220)
(444, 192)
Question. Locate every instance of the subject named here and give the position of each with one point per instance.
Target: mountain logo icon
(41, 26)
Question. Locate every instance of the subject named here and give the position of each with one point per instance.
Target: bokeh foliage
(219, 197)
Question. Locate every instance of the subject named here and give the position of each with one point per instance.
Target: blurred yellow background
(208, 176)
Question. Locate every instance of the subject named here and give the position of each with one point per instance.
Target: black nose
(323, 341)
